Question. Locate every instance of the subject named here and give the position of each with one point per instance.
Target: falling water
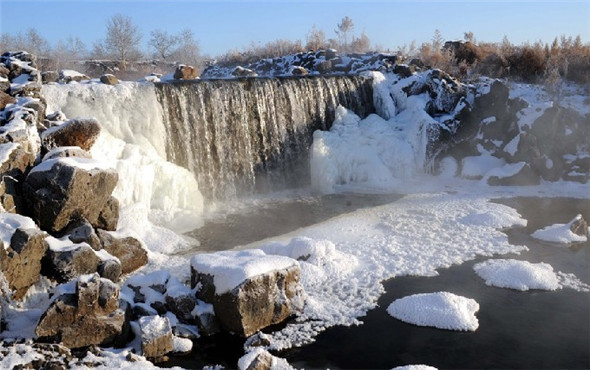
(253, 135)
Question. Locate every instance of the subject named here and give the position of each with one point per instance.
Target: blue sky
(223, 25)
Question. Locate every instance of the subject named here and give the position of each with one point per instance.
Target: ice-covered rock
(62, 190)
(249, 290)
(89, 316)
(441, 310)
(156, 336)
(80, 132)
(23, 249)
(518, 275)
(574, 231)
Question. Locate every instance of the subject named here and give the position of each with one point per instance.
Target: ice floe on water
(519, 275)
(523, 275)
(441, 310)
(560, 233)
(344, 260)
(414, 367)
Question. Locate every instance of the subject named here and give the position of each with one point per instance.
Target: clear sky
(223, 25)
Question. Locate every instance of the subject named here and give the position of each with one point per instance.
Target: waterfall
(253, 135)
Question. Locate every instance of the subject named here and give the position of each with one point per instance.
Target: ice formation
(441, 310)
(560, 233)
(519, 275)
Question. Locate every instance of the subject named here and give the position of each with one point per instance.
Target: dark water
(525, 330)
(517, 330)
(279, 217)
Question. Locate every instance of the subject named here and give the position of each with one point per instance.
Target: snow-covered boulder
(89, 316)
(575, 231)
(261, 359)
(249, 290)
(81, 132)
(66, 262)
(20, 255)
(62, 190)
(69, 75)
(240, 71)
(156, 336)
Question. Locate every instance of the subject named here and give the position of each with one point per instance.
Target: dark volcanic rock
(62, 190)
(6, 99)
(91, 316)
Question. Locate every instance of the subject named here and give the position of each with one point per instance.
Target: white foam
(441, 310)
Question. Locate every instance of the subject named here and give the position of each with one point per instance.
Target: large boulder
(90, 316)
(62, 190)
(184, 72)
(13, 165)
(21, 253)
(128, 250)
(109, 215)
(249, 290)
(80, 132)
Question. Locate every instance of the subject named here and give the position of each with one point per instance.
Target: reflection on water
(534, 329)
(279, 217)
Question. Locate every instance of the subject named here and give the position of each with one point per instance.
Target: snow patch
(519, 275)
(441, 310)
(560, 233)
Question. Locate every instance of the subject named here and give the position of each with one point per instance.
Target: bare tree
(122, 39)
(345, 26)
(99, 50)
(163, 43)
(315, 39)
(188, 50)
(66, 52)
(437, 40)
(360, 44)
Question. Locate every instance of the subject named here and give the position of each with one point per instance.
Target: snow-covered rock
(89, 316)
(260, 359)
(441, 310)
(156, 336)
(248, 289)
(574, 231)
(81, 132)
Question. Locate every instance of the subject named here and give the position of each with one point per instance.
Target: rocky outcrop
(156, 336)
(184, 72)
(20, 261)
(90, 316)
(268, 297)
(64, 190)
(80, 132)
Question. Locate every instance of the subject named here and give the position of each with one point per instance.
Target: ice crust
(441, 310)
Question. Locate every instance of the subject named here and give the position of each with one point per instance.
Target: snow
(512, 145)
(182, 345)
(276, 363)
(70, 73)
(86, 164)
(441, 310)
(560, 233)
(414, 367)
(18, 354)
(477, 166)
(9, 222)
(507, 170)
(153, 327)
(519, 275)
(231, 268)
